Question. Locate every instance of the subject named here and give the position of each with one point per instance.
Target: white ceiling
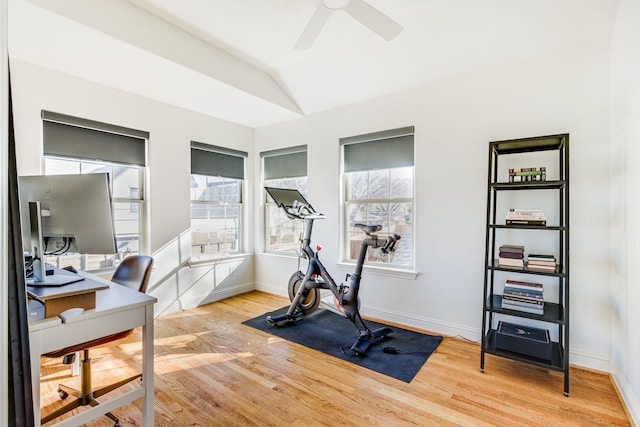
(234, 59)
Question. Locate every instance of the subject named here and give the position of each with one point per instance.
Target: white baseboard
(274, 290)
(631, 402)
(576, 357)
(588, 360)
(424, 323)
(198, 300)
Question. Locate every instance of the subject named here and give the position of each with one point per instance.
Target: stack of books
(541, 262)
(528, 174)
(511, 256)
(523, 296)
(526, 217)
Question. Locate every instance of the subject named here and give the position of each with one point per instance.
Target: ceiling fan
(363, 12)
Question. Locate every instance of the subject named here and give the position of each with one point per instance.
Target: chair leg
(64, 391)
(106, 389)
(61, 411)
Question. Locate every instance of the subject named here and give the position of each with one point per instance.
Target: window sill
(385, 271)
(196, 261)
(281, 256)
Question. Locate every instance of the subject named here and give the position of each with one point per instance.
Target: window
(70, 146)
(284, 168)
(378, 171)
(217, 176)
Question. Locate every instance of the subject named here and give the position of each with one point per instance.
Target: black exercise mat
(333, 334)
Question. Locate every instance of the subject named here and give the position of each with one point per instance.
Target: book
(521, 284)
(516, 170)
(520, 216)
(542, 263)
(511, 255)
(525, 222)
(512, 248)
(522, 300)
(526, 173)
(531, 310)
(521, 211)
(511, 262)
(542, 258)
(542, 268)
(516, 292)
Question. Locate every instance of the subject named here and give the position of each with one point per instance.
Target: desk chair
(133, 272)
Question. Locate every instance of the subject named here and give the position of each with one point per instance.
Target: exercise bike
(304, 288)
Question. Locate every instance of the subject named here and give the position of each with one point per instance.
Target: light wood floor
(213, 371)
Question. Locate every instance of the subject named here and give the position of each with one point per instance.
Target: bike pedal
(361, 346)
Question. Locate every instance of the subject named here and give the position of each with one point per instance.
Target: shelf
(556, 314)
(558, 273)
(528, 145)
(529, 185)
(528, 227)
(555, 363)
(553, 312)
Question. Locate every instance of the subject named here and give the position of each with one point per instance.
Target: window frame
(275, 175)
(211, 161)
(393, 160)
(82, 141)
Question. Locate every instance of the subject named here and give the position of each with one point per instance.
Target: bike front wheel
(310, 299)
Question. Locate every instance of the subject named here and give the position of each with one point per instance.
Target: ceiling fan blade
(313, 28)
(372, 18)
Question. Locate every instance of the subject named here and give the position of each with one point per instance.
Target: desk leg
(147, 367)
(34, 350)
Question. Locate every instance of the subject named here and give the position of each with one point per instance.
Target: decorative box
(524, 340)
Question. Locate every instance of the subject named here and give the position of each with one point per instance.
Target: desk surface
(110, 298)
(88, 284)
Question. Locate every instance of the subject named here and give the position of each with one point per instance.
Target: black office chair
(133, 272)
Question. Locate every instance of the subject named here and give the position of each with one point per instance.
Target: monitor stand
(40, 277)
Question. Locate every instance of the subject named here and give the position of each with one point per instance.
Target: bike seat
(368, 229)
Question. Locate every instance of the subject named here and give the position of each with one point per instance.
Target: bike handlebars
(302, 211)
(390, 246)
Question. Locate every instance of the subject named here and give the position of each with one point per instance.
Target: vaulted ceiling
(235, 59)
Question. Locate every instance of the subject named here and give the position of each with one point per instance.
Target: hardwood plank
(213, 371)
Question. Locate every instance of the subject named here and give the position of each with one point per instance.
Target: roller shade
(285, 163)
(75, 137)
(380, 150)
(212, 160)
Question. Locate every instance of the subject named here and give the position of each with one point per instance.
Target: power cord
(385, 349)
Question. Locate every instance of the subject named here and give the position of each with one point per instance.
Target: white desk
(117, 309)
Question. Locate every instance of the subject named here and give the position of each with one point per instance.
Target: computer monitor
(62, 214)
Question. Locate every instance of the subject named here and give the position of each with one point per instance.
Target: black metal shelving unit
(556, 315)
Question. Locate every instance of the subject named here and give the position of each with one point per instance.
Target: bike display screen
(286, 198)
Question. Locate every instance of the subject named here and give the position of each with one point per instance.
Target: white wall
(454, 120)
(171, 130)
(625, 205)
